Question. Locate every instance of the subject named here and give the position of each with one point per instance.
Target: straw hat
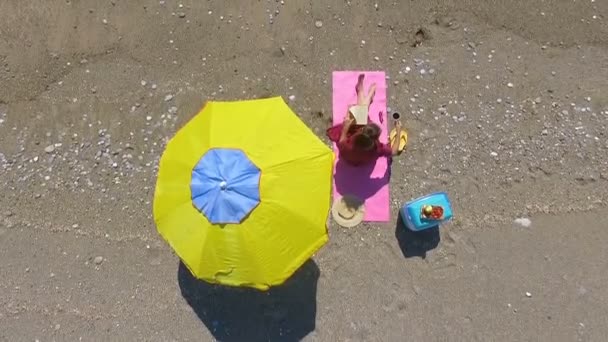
(348, 211)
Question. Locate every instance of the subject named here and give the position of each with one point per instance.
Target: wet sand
(471, 287)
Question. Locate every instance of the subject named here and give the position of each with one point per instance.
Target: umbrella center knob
(223, 185)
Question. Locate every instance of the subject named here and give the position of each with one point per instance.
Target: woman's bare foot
(362, 98)
(359, 89)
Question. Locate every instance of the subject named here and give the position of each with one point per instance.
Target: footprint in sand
(446, 268)
(398, 300)
(154, 256)
(454, 240)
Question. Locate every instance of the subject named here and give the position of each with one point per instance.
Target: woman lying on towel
(359, 144)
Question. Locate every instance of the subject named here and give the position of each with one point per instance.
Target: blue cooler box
(410, 212)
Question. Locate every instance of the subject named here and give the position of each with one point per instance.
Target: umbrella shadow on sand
(283, 313)
(416, 244)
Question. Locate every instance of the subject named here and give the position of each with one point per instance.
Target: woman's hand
(348, 120)
(397, 141)
(398, 126)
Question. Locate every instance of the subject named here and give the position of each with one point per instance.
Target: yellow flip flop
(403, 137)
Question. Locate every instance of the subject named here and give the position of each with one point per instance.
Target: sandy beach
(506, 109)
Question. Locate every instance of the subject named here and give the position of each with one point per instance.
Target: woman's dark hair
(366, 139)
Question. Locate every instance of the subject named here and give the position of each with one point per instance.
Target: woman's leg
(362, 98)
(370, 95)
(359, 89)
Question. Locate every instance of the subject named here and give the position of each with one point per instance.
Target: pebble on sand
(524, 222)
(98, 260)
(528, 294)
(292, 97)
(49, 149)
(168, 98)
(318, 23)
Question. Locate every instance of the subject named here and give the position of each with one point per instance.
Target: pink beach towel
(366, 182)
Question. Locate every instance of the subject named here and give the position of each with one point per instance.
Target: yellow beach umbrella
(243, 193)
